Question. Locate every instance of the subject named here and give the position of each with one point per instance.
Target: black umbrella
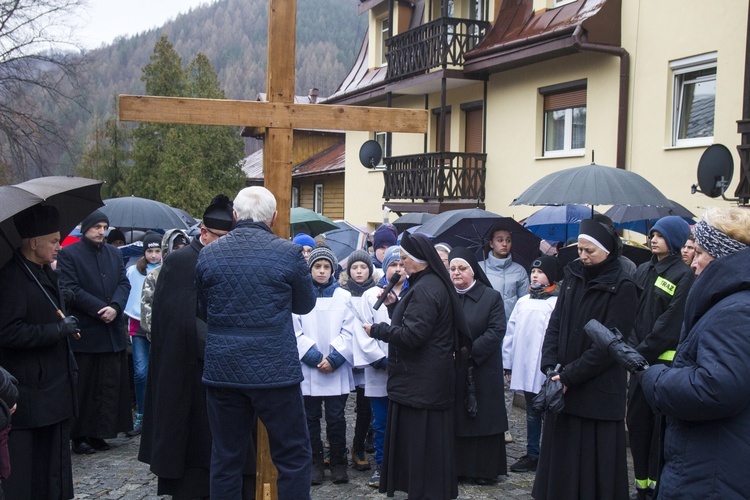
(131, 212)
(472, 228)
(74, 198)
(642, 218)
(345, 240)
(189, 219)
(592, 185)
(411, 219)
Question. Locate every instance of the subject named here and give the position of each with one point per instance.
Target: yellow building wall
(515, 125)
(675, 29)
(654, 33)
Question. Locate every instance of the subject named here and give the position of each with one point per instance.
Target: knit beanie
(384, 236)
(95, 217)
(304, 240)
(391, 255)
(115, 235)
(152, 239)
(674, 230)
(359, 256)
(323, 253)
(548, 265)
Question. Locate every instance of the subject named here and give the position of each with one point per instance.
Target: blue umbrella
(557, 223)
(345, 240)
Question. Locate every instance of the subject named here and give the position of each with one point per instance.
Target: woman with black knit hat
(480, 430)
(149, 261)
(583, 453)
(427, 328)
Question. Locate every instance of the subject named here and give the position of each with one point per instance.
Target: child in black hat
(522, 348)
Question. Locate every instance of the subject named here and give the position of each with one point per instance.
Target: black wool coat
(96, 275)
(596, 383)
(32, 350)
(176, 435)
(485, 315)
(421, 338)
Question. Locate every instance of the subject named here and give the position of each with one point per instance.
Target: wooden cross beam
(279, 116)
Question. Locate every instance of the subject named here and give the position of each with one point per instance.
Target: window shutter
(572, 99)
(473, 131)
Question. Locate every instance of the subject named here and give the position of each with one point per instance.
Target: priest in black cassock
(35, 347)
(176, 438)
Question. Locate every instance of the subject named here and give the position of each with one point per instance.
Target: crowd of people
(237, 327)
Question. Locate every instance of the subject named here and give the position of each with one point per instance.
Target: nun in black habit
(480, 429)
(427, 329)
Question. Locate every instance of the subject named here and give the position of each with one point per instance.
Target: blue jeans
(141, 348)
(231, 413)
(533, 426)
(335, 421)
(379, 419)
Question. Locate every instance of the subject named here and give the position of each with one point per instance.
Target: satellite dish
(715, 170)
(370, 154)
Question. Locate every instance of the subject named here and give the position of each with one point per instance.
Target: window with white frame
(383, 37)
(694, 100)
(382, 139)
(295, 196)
(564, 119)
(318, 199)
(560, 3)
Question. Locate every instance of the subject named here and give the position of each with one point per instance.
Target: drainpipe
(622, 113)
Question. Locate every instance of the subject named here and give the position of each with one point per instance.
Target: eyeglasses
(215, 233)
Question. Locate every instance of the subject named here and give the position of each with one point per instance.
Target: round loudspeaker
(715, 170)
(370, 154)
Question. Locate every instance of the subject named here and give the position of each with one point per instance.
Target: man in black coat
(665, 281)
(35, 347)
(94, 272)
(176, 438)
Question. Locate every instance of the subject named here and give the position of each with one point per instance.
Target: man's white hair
(256, 204)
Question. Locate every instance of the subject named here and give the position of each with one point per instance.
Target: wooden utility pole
(279, 116)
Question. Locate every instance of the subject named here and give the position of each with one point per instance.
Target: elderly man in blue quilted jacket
(249, 284)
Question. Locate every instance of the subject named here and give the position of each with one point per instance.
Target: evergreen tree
(184, 165)
(107, 158)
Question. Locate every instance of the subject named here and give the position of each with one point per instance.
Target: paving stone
(117, 473)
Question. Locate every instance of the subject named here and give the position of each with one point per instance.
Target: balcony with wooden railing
(441, 43)
(436, 178)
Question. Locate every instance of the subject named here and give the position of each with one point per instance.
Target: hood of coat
(721, 278)
(167, 242)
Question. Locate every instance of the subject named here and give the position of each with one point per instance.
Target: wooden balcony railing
(437, 44)
(435, 177)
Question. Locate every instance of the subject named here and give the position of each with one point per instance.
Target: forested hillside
(233, 35)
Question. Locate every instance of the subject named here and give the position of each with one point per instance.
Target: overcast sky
(104, 20)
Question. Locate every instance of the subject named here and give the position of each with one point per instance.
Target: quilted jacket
(249, 284)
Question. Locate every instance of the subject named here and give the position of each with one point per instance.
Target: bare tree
(39, 72)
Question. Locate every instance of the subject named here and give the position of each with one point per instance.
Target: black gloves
(68, 326)
(67, 295)
(611, 342)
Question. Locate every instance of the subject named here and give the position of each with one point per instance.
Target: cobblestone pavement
(118, 474)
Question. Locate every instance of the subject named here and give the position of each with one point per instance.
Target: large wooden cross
(279, 116)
